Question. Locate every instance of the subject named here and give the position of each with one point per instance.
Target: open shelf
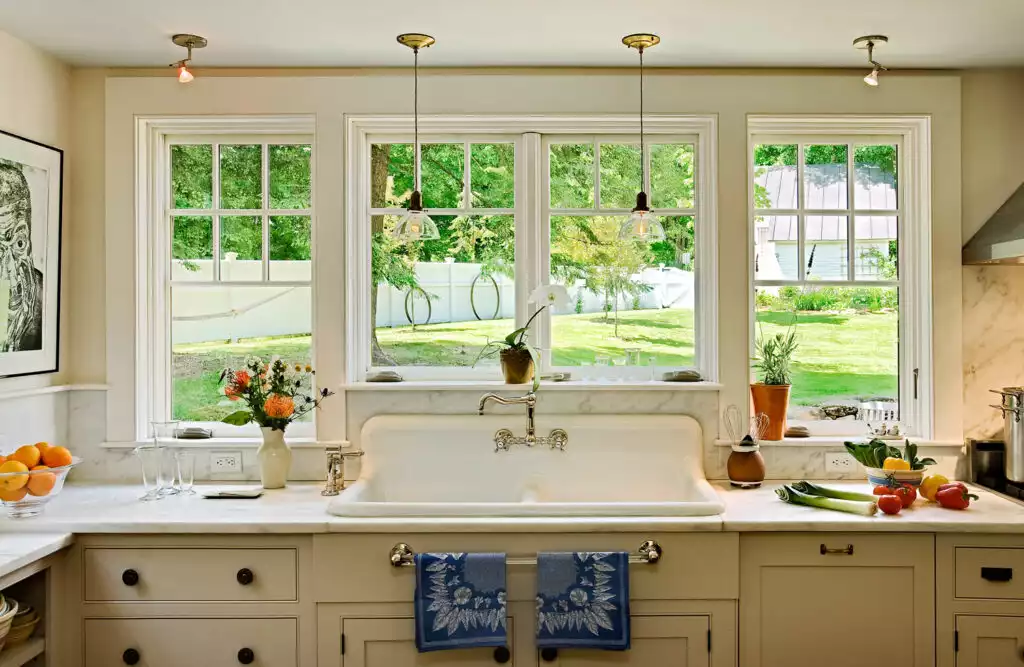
(20, 654)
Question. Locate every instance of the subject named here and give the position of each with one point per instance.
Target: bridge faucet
(504, 438)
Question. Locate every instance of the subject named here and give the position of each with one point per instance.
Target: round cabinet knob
(246, 656)
(245, 576)
(130, 656)
(549, 654)
(502, 655)
(130, 578)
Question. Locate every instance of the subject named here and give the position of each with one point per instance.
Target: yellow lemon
(930, 486)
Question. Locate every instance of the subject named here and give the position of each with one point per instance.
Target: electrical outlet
(839, 462)
(222, 462)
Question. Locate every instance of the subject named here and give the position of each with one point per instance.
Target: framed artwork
(31, 193)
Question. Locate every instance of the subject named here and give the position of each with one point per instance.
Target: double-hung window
(840, 256)
(524, 202)
(231, 268)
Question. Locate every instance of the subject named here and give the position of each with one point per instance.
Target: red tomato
(882, 490)
(907, 495)
(890, 504)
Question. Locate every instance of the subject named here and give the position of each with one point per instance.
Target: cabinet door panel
(174, 642)
(391, 642)
(665, 641)
(808, 600)
(990, 641)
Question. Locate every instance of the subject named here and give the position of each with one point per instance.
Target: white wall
(36, 93)
(993, 310)
(107, 102)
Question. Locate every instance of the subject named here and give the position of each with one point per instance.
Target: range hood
(1001, 239)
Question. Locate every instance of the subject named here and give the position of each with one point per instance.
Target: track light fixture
(869, 42)
(188, 42)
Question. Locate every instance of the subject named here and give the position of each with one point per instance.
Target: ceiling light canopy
(642, 224)
(869, 43)
(416, 225)
(187, 42)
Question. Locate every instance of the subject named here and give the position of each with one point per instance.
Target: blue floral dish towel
(460, 601)
(583, 600)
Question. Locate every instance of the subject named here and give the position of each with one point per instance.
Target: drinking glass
(154, 478)
(632, 356)
(164, 434)
(185, 466)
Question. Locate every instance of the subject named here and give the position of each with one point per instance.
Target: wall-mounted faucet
(504, 438)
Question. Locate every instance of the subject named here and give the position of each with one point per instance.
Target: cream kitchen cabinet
(990, 641)
(173, 642)
(813, 599)
(666, 641)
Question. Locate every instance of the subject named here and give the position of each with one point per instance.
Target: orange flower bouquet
(274, 393)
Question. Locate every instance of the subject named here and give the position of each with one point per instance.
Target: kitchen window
(230, 268)
(840, 256)
(522, 202)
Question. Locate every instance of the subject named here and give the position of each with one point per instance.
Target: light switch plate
(839, 462)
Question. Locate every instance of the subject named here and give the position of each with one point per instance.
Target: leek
(790, 495)
(815, 490)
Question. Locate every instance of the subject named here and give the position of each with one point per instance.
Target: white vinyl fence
(228, 313)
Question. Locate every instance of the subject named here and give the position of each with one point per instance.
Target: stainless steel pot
(1012, 407)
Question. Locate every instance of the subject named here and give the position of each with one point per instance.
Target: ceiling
(695, 33)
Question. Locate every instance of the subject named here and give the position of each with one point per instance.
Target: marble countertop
(17, 551)
(301, 509)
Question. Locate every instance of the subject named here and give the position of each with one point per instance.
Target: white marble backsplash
(993, 339)
(85, 432)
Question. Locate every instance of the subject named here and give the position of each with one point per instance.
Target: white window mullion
(532, 252)
(851, 241)
(264, 217)
(801, 241)
(215, 222)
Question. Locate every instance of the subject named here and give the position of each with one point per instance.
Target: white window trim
(152, 308)
(914, 204)
(531, 220)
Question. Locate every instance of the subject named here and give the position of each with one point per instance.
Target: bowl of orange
(31, 476)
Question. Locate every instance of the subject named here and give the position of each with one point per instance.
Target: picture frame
(31, 219)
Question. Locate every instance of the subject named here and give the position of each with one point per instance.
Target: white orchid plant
(555, 297)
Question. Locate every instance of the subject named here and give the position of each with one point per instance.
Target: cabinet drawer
(180, 642)
(996, 574)
(200, 575)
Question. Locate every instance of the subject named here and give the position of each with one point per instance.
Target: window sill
(498, 385)
(230, 443)
(838, 440)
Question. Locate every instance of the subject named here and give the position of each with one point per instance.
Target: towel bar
(649, 553)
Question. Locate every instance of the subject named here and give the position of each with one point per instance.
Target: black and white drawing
(30, 220)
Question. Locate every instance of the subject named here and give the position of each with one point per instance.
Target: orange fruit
(27, 454)
(40, 484)
(13, 496)
(57, 457)
(2, 458)
(13, 481)
(42, 447)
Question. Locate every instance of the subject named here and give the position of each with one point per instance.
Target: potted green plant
(514, 351)
(771, 392)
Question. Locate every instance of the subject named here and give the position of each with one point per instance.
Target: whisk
(733, 424)
(758, 427)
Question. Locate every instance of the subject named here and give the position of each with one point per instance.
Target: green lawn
(841, 355)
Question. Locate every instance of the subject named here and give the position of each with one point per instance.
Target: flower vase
(275, 458)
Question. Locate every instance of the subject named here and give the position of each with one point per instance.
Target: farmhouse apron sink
(612, 466)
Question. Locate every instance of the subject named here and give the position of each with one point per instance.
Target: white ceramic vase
(275, 459)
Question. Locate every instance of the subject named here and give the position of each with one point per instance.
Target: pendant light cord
(641, 50)
(416, 117)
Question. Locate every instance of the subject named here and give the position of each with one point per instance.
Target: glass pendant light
(187, 42)
(416, 225)
(642, 223)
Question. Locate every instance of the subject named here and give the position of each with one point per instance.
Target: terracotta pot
(773, 401)
(517, 366)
